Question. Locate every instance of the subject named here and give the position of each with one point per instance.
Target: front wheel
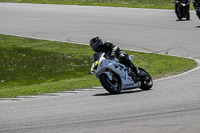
(179, 13)
(147, 83)
(179, 17)
(187, 13)
(113, 86)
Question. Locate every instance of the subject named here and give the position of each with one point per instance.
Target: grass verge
(30, 66)
(158, 4)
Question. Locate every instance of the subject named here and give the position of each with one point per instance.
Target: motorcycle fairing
(106, 66)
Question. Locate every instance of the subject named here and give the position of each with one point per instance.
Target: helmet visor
(92, 44)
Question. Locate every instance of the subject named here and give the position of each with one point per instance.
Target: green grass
(159, 4)
(31, 67)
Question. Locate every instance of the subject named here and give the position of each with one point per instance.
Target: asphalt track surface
(173, 104)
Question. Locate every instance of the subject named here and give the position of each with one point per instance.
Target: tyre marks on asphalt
(63, 93)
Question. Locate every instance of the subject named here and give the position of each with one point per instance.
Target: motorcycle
(197, 8)
(198, 12)
(115, 76)
(182, 9)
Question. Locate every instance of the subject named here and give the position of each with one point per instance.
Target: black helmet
(96, 43)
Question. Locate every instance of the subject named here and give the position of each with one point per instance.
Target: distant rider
(196, 5)
(177, 2)
(111, 51)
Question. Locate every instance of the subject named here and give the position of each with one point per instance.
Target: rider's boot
(133, 75)
(136, 75)
(139, 73)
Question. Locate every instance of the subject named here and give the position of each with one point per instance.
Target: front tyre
(147, 83)
(179, 12)
(113, 86)
(179, 17)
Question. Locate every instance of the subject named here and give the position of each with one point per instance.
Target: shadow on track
(123, 92)
(183, 20)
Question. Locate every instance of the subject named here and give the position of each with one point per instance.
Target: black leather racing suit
(112, 50)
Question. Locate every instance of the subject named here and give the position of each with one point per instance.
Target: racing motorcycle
(198, 12)
(197, 9)
(182, 9)
(115, 76)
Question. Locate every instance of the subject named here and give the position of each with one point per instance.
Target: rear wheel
(112, 86)
(147, 83)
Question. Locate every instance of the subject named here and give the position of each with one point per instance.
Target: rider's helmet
(96, 43)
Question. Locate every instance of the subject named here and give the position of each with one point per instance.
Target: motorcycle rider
(111, 51)
(177, 2)
(196, 5)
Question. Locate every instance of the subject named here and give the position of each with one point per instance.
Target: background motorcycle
(196, 5)
(198, 12)
(182, 9)
(115, 76)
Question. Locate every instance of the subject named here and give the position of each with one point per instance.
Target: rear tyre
(148, 83)
(113, 86)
